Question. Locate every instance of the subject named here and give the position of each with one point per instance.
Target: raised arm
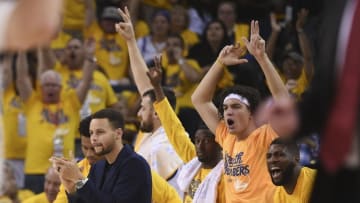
(256, 47)
(190, 72)
(304, 43)
(88, 69)
(275, 31)
(203, 94)
(33, 22)
(7, 73)
(89, 12)
(176, 132)
(137, 63)
(23, 80)
(46, 58)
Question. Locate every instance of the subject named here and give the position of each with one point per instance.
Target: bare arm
(275, 31)
(190, 73)
(89, 12)
(134, 7)
(88, 69)
(203, 94)
(7, 76)
(33, 22)
(256, 47)
(23, 80)
(137, 64)
(304, 43)
(46, 58)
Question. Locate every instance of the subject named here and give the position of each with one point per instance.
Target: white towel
(207, 190)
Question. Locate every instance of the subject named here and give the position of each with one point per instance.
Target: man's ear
(119, 133)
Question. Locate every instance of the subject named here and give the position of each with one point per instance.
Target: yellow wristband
(221, 63)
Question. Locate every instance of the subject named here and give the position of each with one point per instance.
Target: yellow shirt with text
(197, 180)
(246, 176)
(111, 52)
(42, 123)
(100, 94)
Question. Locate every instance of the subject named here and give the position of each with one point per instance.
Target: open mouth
(230, 123)
(275, 172)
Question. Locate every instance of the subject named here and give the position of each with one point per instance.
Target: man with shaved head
(52, 117)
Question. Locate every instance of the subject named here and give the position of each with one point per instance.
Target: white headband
(237, 97)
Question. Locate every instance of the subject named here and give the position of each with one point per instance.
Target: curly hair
(251, 94)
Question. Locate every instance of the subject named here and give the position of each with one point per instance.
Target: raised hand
(256, 46)
(90, 46)
(155, 74)
(230, 55)
(301, 19)
(125, 29)
(275, 26)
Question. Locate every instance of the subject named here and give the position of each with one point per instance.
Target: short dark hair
(169, 94)
(177, 36)
(84, 127)
(290, 145)
(115, 117)
(251, 94)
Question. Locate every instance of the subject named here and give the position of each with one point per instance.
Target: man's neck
(290, 186)
(111, 157)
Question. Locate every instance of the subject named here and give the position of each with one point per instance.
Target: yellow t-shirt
(85, 166)
(241, 30)
(60, 41)
(302, 84)
(111, 52)
(100, 94)
(197, 180)
(164, 4)
(246, 176)
(42, 123)
(14, 135)
(22, 195)
(25, 194)
(141, 29)
(74, 14)
(302, 190)
(175, 131)
(190, 38)
(40, 198)
(183, 88)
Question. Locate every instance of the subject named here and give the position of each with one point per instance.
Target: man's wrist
(80, 183)
(181, 61)
(91, 59)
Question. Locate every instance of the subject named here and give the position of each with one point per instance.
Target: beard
(286, 175)
(147, 127)
(105, 151)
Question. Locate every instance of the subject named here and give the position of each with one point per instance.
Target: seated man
(51, 188)
(294, 182)
(123, 176)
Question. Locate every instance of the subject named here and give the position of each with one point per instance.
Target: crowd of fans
(102, 58)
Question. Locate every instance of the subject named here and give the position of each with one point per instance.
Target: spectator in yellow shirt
(294, 182)
(51, 188)
(9, 192)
